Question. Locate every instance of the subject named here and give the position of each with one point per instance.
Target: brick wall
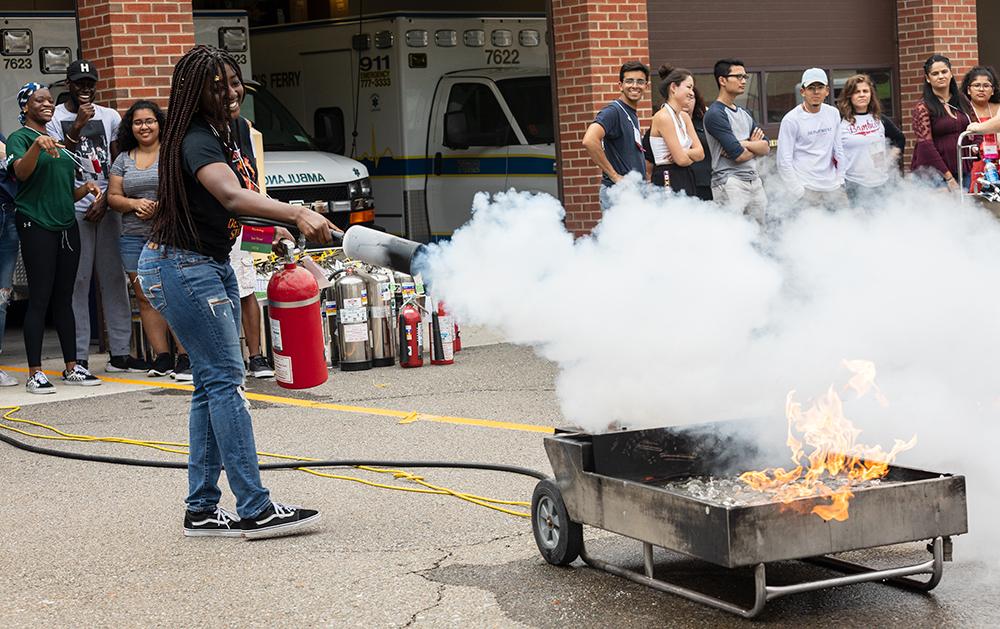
(925, 27)
(592, 39)
(134, 46)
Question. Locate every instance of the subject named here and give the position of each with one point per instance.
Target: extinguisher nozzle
(381, 249)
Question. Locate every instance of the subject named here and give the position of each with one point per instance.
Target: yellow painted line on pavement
(405, 417)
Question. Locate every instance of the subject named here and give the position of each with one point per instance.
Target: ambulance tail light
(446, 38)
(233, 38)
(54, 60)
(529, 38)
(15, 42)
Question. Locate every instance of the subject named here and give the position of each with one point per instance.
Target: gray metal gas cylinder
(381, 311)
(352, 322)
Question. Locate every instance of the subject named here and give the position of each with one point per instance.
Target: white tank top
(661, 154)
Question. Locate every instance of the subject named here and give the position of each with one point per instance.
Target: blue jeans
(130, 247)
(8, 259)
(200, 300)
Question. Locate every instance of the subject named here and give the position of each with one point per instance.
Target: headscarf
(22, 99)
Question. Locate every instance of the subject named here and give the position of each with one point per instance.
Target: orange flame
(835, 450)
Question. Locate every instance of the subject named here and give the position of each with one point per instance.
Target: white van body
(394, 78)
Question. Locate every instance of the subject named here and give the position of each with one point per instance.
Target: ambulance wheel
(558, 538)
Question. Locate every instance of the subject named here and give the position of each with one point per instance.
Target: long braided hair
(199, 67)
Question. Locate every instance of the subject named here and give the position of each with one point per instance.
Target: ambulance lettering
(294, 178)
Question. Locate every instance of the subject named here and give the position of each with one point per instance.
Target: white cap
(814, 75)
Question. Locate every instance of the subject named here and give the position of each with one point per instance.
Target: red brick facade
(135, 46)
(592, 39)
(925, 27)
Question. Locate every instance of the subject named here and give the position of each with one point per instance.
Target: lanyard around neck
(634, 126)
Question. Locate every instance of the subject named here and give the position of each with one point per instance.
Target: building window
(782, 93)
(783, 90)
(709, 90)
(882, 77)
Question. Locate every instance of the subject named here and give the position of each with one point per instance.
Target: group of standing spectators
(827, 156)
(79, 190)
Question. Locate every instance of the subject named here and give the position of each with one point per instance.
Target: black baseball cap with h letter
(81, 69)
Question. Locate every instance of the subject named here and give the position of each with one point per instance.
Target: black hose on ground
(97, 458)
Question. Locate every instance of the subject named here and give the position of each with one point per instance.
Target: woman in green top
(50, 239)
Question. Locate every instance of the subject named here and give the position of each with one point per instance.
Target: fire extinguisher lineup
(325, 311)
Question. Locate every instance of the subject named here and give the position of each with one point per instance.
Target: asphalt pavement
(98, 545)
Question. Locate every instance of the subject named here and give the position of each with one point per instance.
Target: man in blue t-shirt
(614, 140)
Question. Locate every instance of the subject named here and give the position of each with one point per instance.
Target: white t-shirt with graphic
(93, 152)
(809, 150)
(866, 155)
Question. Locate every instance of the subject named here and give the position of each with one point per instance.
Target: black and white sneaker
(218, 523)
(162, 366)
(126, 364)
(278, 520)
(260, 368)
(39, 383)
(182, 372)
(79, 376)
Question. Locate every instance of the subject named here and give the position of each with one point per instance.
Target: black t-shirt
(216, 227)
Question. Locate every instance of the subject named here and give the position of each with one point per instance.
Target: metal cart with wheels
(616, 482)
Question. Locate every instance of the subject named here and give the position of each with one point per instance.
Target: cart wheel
(559, 539)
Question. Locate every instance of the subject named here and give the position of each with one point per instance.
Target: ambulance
(39, 45)
(437, 107)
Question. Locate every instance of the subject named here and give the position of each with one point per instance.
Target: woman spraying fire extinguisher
(207, 179)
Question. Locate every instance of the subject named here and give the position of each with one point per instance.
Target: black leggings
(50, 261)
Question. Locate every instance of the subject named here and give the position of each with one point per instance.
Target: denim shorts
(130, 247)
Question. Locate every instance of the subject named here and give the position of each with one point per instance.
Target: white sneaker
(39, 383)
(6, 380)
(81, 377)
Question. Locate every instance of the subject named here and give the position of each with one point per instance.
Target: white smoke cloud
(677, 311)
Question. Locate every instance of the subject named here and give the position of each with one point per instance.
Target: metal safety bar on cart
(969, 152)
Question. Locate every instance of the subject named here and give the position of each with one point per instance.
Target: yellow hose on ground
(181, 448)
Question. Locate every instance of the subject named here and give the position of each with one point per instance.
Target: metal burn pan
(614, 482)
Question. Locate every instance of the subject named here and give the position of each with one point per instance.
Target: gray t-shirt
(726, 127)
(137, 184)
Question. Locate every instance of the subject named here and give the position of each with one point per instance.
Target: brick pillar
(135, 46)
(926, 27)
(592, 38)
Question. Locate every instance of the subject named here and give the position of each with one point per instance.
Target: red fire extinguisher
(457, 339)
(411, 337)
(442, 339)
(296, 328)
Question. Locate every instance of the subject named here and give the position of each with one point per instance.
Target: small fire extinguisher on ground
(457, 338)
(442, 337)
(296, 326)
(411, 336)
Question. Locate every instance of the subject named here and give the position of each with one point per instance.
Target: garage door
(778, 39)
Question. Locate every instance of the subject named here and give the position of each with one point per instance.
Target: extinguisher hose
(288, 465)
